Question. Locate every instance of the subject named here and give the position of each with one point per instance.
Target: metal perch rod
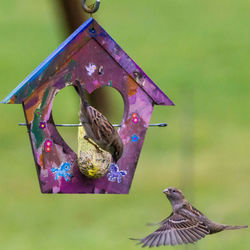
(115, 125)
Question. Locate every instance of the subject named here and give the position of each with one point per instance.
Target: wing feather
(101, 127)
(178, 238)
(184, 237)
(175, 230)
(167, 239)
(190, 235)
(148, 240)
(161, 239)
(173, 238)
(155, 240)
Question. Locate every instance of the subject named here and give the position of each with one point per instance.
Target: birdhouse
(92, 57)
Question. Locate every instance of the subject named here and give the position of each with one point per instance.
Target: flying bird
(185, 225)
(97, 127)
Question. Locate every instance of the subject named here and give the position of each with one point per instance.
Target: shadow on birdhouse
(93, 58)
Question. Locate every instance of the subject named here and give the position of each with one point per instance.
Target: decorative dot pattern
(42, 125)
(135, 118)
(135, 138)
(47, 145)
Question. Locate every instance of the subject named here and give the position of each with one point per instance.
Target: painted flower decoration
(135, 118)
(47, 145)
(115, 174)
(62, 171)
(47, 149)
(91, 68)
(134, 115)
(42, 125)
(135, 138)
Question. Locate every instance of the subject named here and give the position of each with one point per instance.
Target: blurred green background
(198, 53)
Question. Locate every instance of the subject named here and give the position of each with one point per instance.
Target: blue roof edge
(47, 61)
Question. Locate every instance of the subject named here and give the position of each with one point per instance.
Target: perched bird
(185, 225)
(97, 127)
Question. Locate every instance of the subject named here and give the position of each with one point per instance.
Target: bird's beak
(166, 191)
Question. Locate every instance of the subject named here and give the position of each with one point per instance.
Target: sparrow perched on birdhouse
(185, 225)
(98, 128)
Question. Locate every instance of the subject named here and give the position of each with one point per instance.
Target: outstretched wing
(176, 230)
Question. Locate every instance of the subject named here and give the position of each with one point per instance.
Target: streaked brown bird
(98, 128)
(185, 225)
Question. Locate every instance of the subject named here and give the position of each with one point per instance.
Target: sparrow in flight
(97, 127)
(185, 225)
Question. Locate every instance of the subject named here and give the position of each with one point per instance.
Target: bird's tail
(228, 227)
(216, 227)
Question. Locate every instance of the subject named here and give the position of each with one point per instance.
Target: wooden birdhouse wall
(91, 57)
(94, 68)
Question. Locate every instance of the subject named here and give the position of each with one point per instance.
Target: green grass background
(198, 53)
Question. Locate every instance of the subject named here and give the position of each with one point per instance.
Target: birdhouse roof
(88, 30)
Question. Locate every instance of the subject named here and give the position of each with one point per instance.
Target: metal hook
(92, 9)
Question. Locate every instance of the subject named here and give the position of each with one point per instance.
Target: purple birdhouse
(92, 57)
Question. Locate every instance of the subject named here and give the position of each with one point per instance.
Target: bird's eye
(174, 191)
